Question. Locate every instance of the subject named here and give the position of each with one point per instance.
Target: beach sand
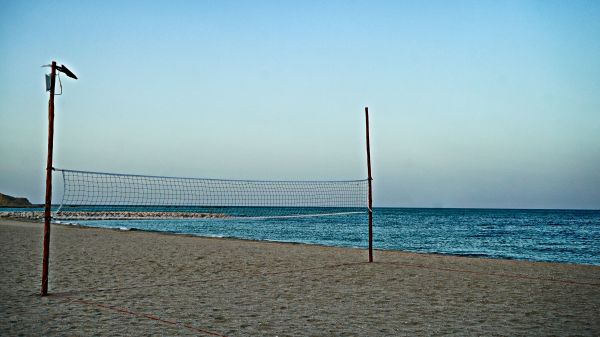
(131, 283)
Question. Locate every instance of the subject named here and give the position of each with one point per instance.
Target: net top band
(211, 179)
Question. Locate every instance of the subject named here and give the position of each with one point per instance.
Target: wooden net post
(370, 179)
(48, 202)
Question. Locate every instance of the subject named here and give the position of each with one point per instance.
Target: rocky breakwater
(120, 215)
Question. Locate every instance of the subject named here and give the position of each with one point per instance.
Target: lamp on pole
(50, 86)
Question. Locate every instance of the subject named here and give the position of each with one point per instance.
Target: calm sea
(571, 236)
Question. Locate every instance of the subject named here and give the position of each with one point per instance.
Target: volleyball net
(98, 195)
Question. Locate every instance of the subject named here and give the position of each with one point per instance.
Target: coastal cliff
(8, 201)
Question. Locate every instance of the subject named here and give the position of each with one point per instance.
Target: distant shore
(10, 201)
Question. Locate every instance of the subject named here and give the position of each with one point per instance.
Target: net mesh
(108, 195)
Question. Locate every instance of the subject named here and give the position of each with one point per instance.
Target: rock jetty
(120, 215)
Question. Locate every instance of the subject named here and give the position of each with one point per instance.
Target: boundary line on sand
(211, 333)
(141, 315)
(164, 321)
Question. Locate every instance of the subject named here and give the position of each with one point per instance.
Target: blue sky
(473, 103)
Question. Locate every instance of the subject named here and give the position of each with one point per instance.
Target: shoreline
(171, 233)
(306, 245)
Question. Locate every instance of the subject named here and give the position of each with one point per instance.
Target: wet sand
(120, 283)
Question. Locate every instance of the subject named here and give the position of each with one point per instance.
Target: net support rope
(98, 195)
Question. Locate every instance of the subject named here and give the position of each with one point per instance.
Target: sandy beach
(121, 283)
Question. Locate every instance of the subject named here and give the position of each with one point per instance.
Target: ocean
(568, 236)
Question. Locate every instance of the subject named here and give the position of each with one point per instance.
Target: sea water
(571, 236)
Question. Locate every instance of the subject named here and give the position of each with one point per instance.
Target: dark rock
(8, 201)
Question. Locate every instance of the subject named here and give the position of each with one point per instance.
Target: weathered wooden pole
(48, 203)
(370, 180)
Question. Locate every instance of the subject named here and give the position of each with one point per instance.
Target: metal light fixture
(63, 69)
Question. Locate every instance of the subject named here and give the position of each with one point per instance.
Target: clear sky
(473, 103)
